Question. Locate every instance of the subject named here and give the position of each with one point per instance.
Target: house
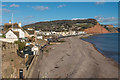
(53, 32)
(16, 29)
(0, 34)
(72, 32)
(44, 33)
(12, 34)
(30, 29)
(39, 37)
(81, 32)
(35, 50)
(11, 25)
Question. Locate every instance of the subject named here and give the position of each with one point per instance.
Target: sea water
(107, 44)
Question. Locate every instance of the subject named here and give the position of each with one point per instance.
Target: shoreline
(96, 48)
(76, 58)
(101, 53)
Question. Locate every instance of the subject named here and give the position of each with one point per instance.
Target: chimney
(9, 21)
(19, 24)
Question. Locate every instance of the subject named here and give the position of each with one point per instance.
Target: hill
(63, 25)
(75, 25)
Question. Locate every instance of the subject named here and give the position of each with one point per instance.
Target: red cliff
(97, 29)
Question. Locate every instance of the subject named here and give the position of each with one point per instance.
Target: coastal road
(74, 58)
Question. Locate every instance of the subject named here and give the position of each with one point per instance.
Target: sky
(60, 0)
(31, 12)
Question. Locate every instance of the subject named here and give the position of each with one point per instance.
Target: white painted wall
(8, 40)
(35, 50)
(11, 35)
(21, 32)
(39, 37)
(0, 34)
(19, 24)
(81, 32)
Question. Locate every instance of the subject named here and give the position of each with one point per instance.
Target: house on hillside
(39, 37)
(81, 32)
(30, 29)
(45, 33)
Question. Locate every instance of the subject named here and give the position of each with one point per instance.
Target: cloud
(4, 5)
(102, 19)
(40, 8)
(60, 6)
(14, 5)
(100, 2)
(28, 17)
(6, 10)
(78, 18)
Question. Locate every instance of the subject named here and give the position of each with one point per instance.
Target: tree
(21, 45)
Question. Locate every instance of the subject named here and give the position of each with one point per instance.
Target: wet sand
(75, 58)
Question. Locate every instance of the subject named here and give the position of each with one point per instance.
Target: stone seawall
(11, 62)
(9, 47)
(0, 59)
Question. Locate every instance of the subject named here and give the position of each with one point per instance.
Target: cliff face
(97, 29)
(112, 29)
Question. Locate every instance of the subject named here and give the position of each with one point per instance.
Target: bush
(3, 35)
(12, 60)
(21, 45)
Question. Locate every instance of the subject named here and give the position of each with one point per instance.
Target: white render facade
(35, 50)
(11, 35)
(21, 32)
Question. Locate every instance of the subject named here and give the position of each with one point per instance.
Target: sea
(107, 44)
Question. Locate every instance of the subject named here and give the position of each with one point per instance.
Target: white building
(19, 24)
(15, 28)
(0, 34)
(30, 29)
(81, 32)
(44, 33)
(12, 34)
(35, 50)
(21, 32)
(39, 37)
